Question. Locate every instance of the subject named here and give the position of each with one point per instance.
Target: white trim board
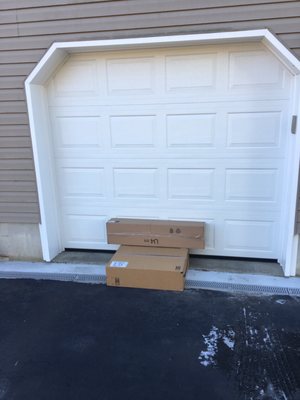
(40, 127)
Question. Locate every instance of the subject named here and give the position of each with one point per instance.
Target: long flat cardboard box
(148, 268)
(160, 233)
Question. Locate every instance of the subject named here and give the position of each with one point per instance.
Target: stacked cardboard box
(153, 253)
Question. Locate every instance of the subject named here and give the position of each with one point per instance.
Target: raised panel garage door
(193, 133)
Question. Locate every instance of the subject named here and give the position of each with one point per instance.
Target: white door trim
(40, 126)
(289, 260)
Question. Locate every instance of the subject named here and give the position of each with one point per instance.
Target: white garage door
(193, 133)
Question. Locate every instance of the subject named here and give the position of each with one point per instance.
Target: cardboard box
(148, 268)
(160, 233)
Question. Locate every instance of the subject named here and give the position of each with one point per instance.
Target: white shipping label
(119, 264)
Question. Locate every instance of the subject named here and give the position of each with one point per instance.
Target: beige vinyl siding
(29, 27)
(14, 6)
(27, 197)
(141, 20)
(14, 131)
(13, 165)
(12, 95)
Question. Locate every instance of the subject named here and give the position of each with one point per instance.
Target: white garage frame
(36, 95)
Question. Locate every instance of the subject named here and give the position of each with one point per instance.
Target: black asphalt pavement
(74, 341)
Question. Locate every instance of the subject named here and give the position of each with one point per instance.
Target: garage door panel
(83, 182)
(88, 229)
(238, 235)
(136, 183)
(85, 231)
(78, 131)
(133, 131)
(254, 129)
(66, 82)
(243, 235)
(190, 183)
(251, 185)
(190, 73)
(164, 74)
(244, 71)
(193, 133)
(219, 183)
(190, 130)
(128, 76)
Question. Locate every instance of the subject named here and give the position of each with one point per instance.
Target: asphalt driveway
(77, 341)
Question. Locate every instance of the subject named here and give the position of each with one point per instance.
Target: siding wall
(29, 27)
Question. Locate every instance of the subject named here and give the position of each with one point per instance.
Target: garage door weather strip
(86, 273)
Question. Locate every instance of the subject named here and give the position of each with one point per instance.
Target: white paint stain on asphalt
(280, 301)
(207, 357)
(267, 339)
(229, 338)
